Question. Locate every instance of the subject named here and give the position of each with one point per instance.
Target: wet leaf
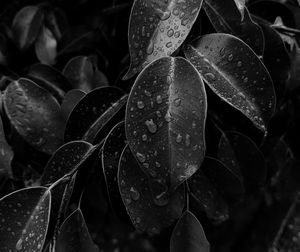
(74, 235)
(83, 74)
(226, 17)
(235, 74)
(111, 153)
(148, 213)
(45, 47)
(35, 114)
(26, 26)
(241, 155)
(24, 216)
(157, 29)
(6, 153)
(70, 100)
(93, 112)
(188, 235)
(165, 118)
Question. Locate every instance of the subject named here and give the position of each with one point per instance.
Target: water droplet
(168, 116)
(209, 76)
(222, 51)
(230, 57)
(169, 44)
(185, 21)
(147, 93)
(159, 99)
(141, 157)
(177, 34)
(187, 140)
(144, 137)
(150, 47)
(176, 12)
(239, 64)
(157, 164)
(134, 194)
(140, 104)
(179, 138)
(19, 244)
(170, 33)
(151, 126)
(165, 15)
(245, 80)
(177, 102)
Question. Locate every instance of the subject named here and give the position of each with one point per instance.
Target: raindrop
(185, 21)
(169, 44)
(222, 51)
(209, 76)
(150, 47)
(170, 32)
(159, 99)
(141, 157)
(187, 140)
(140, 104)
(134, 194)
(161, 200)
(239, 64)
(144, 137)
(157, 164)
(179, 138)
(147, 93)
(177, 102)
(230, 57)
(245, 80)
(177, 34)
(165, 15)
(151, 126)
(168, 116)
(19, 244)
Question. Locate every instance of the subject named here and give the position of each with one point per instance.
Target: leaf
(82, 72)
(165, 119)
(24, 218)
(49, 78)
(226, 17)
(188, 235)
(148, 213)
(6, 153)
(236, 74)
(35, 114)
(69, 102)
(74, 235)
(93, 112)
(111, 153)
(26, 26)
(241, 155)
(45, 47)
(157, 29)
(241, 4)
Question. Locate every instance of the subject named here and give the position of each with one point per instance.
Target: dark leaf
(3, 50)
(35, 114)
(24, 218)
(6, 153)
(83, 74)
(236, 74)
(147, 212)
(226, 18)
(45, 47)
(157, 29)
(69, 102)
(26, 26)
(188, 235)
(165, 120)
(74, 235)
(93, 112)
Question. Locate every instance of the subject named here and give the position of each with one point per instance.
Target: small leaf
(26, 26)
(148, 213)
(35, 115)
(157, 29)
(70, 101)
(241, 7)
(82, 72)
(93, 112)
(236, 74)
(226, 17)
(74, 235)
(165, 119)
(45, 47)
(188, 235)
(24, 216)
(6, 153)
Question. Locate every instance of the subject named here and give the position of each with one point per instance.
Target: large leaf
(93, 112)
(26, 26)
(226, 17)
(188, 235)
(165, 120)
(24, 216)
(236, 74)
(157, 29)
(35, 114)
(147, 212)
(69, 102)
(6, 153)
(74, 235)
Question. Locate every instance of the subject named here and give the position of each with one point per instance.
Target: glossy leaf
(6, 153)
(26, 26)
(148, 213)
(157, 29)
(226, 17)
(35, 115)
(83, 74)
(24, 216)
(93, 112)
(188, 235)
(45, 47)
(240, 154)
(165, 118)
(70, 100)
(74, 235)
(236, 74)
(111, 153)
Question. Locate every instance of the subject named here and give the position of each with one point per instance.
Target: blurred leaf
(3, 50)
(157, 29)
(45, 47)
(165, 120)
(93, 112)
(83, 74)
(26, 26)
(24, 218)
(6, 153)
(147, 212)
(188, 235)
(226, 17)
(35, 114)
(74, 235)
(70, 101)
(236, 74)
